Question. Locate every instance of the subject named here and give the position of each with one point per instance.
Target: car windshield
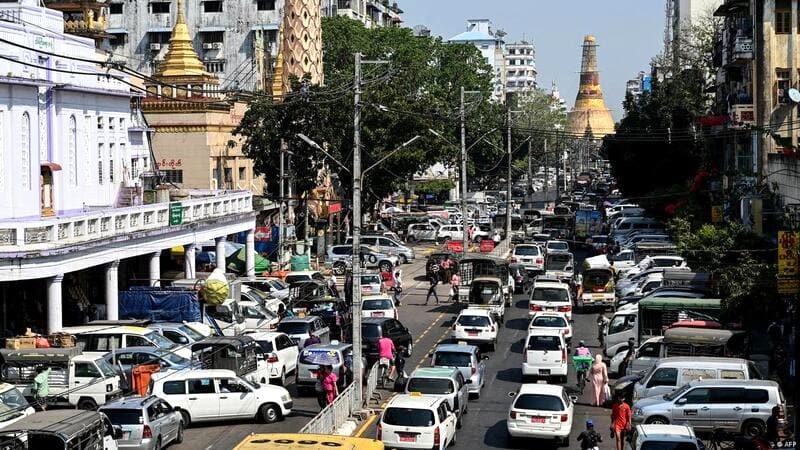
(544, 343)
(371, 330)
(526, 250)
(663, 262)
(668, 445)
(159, 340)
(189, 331)
(549, 321)
(12, 399)
(452, 359)
(473, 321)
(293, 327)
(277, 284)
(557, 262)
(175, 359)
(370, 279)
(550, 294)
(563, 246)
(124, 416)
(105, 367)
(383, 303)
(266, 346)
(539, 402)
(319, 356)
(408, 417)
(433, 386)
(674, 394)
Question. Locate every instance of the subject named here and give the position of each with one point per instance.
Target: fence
(333, 416)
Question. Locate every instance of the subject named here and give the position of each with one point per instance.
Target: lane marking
(366, 425)
(432, 347)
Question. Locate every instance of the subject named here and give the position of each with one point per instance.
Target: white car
(545, 354)
(665, 436)
(371, 283)
(541, 411)
(476, 326)
(279, 351)
(218, 394)
(552, 320)
(529, 256)
(551, 295)
(417, 421)
(556, 246)
(378, 306)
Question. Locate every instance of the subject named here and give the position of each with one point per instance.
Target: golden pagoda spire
(181, 59)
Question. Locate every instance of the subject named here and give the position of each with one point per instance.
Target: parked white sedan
(280, 352)
(378, 306)
(541, 411)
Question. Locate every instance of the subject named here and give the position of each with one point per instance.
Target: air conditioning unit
(217, 45)
(155, 47)
(208, 46)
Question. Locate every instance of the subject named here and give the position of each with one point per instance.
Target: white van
(620, 328)
(669, 374)
(101, 339)
(630, 224)
(217, 394)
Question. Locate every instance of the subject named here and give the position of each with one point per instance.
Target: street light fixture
(312, 143)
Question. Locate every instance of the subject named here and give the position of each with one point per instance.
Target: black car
(374, 328)
(437, 258)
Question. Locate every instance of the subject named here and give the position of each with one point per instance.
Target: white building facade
(372, 13)
(480, 34)
(520, 61)
(71, 146)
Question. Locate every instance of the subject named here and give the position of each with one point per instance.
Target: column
(250, 252)
(220, 251)
(54, 319)
(112, 290)
(188, 259)
(155, 269)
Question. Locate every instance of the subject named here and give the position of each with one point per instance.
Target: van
(629, 224)
(101, 339)
(670, 373)
(621, 327)
(447, 382)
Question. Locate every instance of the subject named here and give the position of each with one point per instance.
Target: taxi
(302, 441)
(417, 421)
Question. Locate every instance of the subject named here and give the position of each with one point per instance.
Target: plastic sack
(216, 289)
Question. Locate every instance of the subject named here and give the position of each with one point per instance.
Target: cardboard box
(26, 342)
(12, 344)
(62, 340)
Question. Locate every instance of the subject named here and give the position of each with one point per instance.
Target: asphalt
(484, 425)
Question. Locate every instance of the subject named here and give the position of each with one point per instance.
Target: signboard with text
(788, 267)
(175, 213)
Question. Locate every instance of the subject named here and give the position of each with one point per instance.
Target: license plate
(377, 314)
(408, 438)
(549, 309)
(597, 295)
(544, 371)
(537, 419)
(472, 333)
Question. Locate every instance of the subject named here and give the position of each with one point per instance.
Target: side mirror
(573, 398)
(681, 401)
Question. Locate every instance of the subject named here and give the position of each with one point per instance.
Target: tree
(416, 91)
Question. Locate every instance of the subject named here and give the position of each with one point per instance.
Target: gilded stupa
(300, 47)
(590, 116)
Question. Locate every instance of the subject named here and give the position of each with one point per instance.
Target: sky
(629, 34)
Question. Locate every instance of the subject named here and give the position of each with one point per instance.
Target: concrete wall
(785, 174)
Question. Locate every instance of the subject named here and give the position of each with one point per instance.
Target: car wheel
(87, 404)
(409, 348)
(179, 436)
(458, 423)
(565, 442)
(657, 420)
(403, 259)
(492, 346)
(410, 238)
(623, 368)
(185, 418)
(282, 380)
(753, 428)
(372, 259)
(339, 268)
(269, 413)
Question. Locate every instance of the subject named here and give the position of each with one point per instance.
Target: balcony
(22, 236)
(742, 49)
(742, 115)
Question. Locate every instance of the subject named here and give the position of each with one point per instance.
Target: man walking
(433, 279)
(41, 386)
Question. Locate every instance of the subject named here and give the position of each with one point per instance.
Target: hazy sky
(629, 32)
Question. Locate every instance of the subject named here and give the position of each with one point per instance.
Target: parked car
(217, 394)
(146, 422)
(302, 275)
(300, 329)
(670, 373)
(477, 326)
(341, 257)
(130, 357)
(545, 354)
(338, 355)
(280, 352)
(388, 244)
(179, 333)
(445, 382)
(101, 339)
(417, 421)
(734, 406)
(467, 358)
(541, 411)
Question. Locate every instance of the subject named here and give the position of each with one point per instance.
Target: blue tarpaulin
(159, 304)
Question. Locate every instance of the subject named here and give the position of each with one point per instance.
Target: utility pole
(465, 236)
(280, 207)
(530, 170)
(546, 177)
(558, 157)
(508, 177)
(356, 260)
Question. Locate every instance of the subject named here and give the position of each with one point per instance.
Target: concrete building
(636, 86)
(682, 14)
(490, 43)
(372, 13)
(520, 61)
(67, 241)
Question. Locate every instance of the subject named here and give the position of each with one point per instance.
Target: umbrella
(320, 357)
(237, 262)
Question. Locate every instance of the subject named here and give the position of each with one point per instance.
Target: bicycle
(582, 365)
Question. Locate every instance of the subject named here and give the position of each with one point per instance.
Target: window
(756, 396)
(175, 337)
(133, 340)
(783, 83)
(174, 387)
(100, 151)
(232, 385)
(160, 37)
(783, 17)
(122, 123)
(650, 351)
(201, 386)
(666, 376)
(699, 395)
(159, 7)
(72, 150)
(242, 174)
(212, 6)
(213, 36)
(621, 323)
(117, 39)
(115, 8)
(25, 151)
(86, 370)
(539, 402)
(727, 395)
(111, 163)
(688, 375)
(215, 66)
(173, 176)
(409, 417)
(101, 122)
(265, 5)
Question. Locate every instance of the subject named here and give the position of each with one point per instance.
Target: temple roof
(181, 60)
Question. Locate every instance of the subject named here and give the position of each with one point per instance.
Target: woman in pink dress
(329, 384)
(598, 375)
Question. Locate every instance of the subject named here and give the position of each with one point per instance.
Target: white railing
(45, 234)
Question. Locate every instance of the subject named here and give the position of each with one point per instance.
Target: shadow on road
(517, 346)
(511, 375)
(522, 304)
(517, 324)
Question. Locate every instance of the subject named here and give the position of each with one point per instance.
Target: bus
(301, 441)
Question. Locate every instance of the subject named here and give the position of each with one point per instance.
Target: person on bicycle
(589, 438)
(386, 353)
(582, 350)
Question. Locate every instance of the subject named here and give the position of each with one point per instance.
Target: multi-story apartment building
(520, 61)
(636, 86)
(372, 13)
(681, 15)
(78, 217)
(490, 43)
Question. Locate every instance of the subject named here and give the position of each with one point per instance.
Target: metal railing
(343, 407)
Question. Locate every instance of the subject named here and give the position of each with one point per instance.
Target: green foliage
(418, 90)
(433, 186)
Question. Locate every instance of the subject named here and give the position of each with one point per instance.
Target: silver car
(708, 405)
(339, 356)
(468, 359)
(341, 256)
(146, 422)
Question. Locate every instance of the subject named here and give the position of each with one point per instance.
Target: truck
(562, 224)
(241, 354)
(587, 224)
(76, 379)
(597, 283)
(473, 267)
(560, 265)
